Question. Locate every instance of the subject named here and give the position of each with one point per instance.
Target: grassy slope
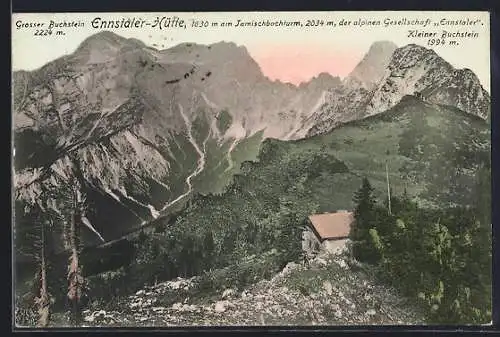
(422, 144)
(432, 151)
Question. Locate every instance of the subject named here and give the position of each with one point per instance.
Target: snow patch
(236, 131)
(154, 213)
(89, 225)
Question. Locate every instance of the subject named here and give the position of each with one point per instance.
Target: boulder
(320, 261)
(327, 285)
(228, 293)
(289, 267)
(177, 306)
(220, 306)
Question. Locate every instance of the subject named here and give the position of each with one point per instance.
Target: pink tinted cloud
(297, 63)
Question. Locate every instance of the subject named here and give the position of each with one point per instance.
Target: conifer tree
(34, 241)
(43, 299)
(71, 212)
(75, 278)
(365, 216)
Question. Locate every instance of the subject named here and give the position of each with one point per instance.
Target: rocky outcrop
(372, 68)
(324, 292)
(132, 125)
(383, 78)
(416, 69)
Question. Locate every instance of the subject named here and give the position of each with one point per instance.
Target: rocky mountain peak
(414, 68)
(381, 47)
(387, 74)
(323, 80)
(103, 39)
(223, 49)
(372, 67)
(228, 45)
(326, 77)
(226, 57)
(413, 55)
(103, 45)
(468, 76)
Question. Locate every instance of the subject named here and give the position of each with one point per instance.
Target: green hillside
(432, 151)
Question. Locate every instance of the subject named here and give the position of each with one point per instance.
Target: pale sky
(291, 54)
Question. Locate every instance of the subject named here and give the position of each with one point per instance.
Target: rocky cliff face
(132, 127)
(410, 70)
(415, 69)
(84, 120)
